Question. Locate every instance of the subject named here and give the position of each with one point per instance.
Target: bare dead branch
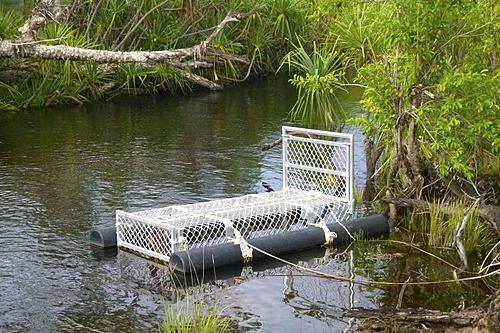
(457, 240)
(271, 145)
(199, 80)
(92, 17)
(232, 16)
(402, 292)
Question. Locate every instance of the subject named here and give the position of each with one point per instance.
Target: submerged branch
(271, 145)
(483, 318)
(459, 319)
(278, 141)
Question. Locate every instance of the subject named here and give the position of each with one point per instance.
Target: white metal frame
(317, 185)
(342, 140)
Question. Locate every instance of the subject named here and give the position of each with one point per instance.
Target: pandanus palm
(317, 77)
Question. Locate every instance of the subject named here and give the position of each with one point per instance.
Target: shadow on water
(65, 170)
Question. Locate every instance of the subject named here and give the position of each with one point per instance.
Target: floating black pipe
(294, 241)
(224, 273)
(104, 237)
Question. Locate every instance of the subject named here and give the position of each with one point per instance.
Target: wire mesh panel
(316, 188)
(143, 235)
(318, 161)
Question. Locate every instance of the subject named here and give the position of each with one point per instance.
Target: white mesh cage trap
(317, 188)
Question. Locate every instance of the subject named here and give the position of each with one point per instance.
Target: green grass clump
(358, 195)
(195, 318)
(439, 224)
(10, 21)
(440, 230)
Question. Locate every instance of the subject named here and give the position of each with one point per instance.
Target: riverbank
(426, 126)
(111, 48)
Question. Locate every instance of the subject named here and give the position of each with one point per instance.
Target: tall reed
(440, 222)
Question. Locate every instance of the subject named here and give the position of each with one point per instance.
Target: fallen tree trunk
(23, 49)
(63, 52)
(182, 59)
(9, 49)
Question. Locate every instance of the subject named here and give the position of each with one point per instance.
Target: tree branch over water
(182, 59)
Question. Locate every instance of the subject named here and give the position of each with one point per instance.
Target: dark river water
(66, 170)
